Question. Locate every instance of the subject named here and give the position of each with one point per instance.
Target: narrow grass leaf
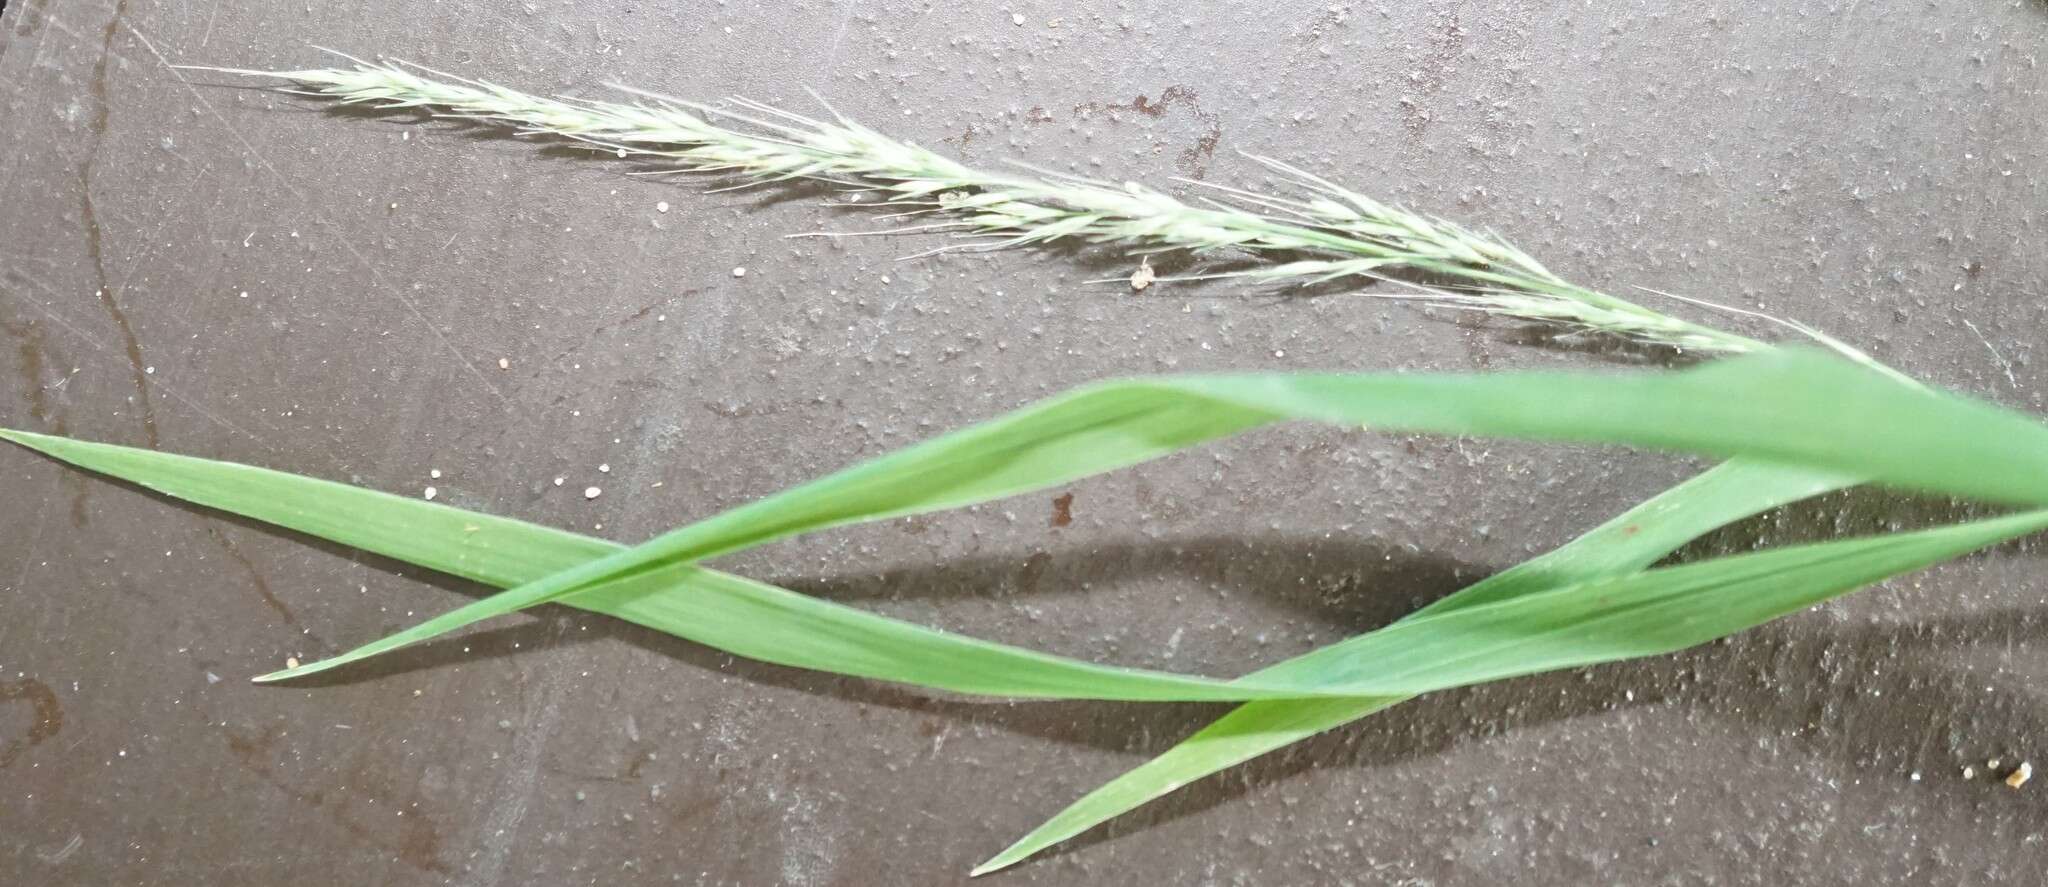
(1603, 621)
(1628, 543)
(1788, 406)
(732, 613)
(1600, 621)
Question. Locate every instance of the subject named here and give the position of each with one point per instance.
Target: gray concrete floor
(231, 273)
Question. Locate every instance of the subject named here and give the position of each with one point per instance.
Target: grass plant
(1791, 422)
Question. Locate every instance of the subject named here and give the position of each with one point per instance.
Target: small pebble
(592, 492)
(434, 473)
(739, 272)
(504, 364)
(605, 467)
(559, 480)
(1144, 276)
(661, 207)
(1017, 18)
(431, 493)
(291, 662)
(2019, 777)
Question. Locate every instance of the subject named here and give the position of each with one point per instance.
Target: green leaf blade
(1629, 542)
(732, 613)
(1793, 407)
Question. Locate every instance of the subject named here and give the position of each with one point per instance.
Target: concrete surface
(235, 274)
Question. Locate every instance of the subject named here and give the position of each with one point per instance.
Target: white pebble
(1017, 18)
(431, 493)
(434, 473)
(504, 364)
(558, 481)
(739, 272)
(661, 207)
(592, 492)
(605, 467)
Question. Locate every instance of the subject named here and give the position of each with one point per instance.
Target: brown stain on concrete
(95, 250)
(417, 843)
(47, 712)
(1063, 510)
(1192, 161)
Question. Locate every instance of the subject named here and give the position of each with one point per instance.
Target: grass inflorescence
(1325, 231)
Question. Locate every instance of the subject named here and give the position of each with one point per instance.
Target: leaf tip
(997, 862)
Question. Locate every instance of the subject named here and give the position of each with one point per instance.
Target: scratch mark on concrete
(838, 38)
(1995, 356)
(210, 16)
(64, 852)
(103, 348)
(500, 830)
(332, 230)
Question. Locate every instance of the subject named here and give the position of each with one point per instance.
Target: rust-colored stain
(1063, 510)
(28, 336)
(418, 842)
(33, 350)
(49, 717)
(255, 577)
(89, 218)
(1192, 161)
